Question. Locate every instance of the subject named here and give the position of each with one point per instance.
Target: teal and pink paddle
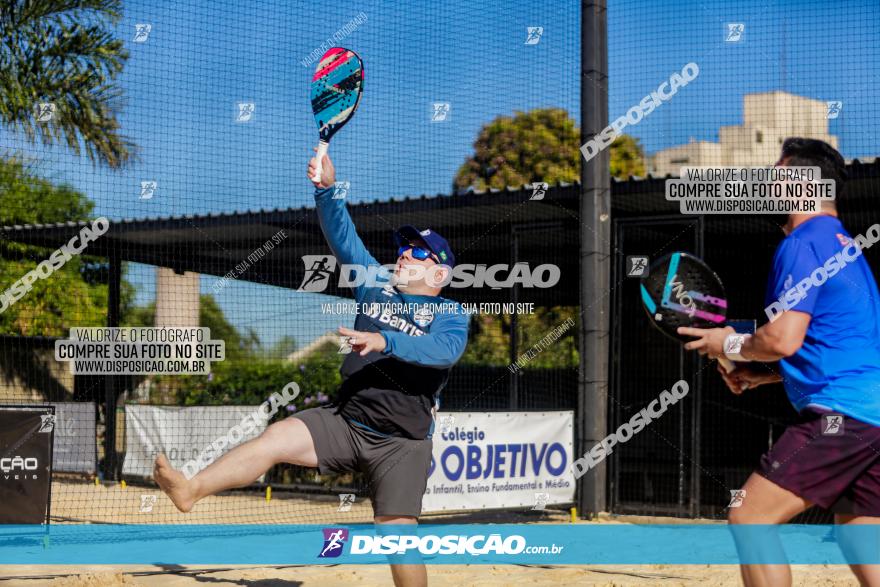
(336, 92)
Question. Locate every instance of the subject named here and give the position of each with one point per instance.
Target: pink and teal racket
(336, 92)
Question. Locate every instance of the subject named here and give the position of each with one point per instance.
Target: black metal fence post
(111, 381)
(595, 216)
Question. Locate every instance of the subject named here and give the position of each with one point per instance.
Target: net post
(595, 213)
(513, 399)
(110, 381)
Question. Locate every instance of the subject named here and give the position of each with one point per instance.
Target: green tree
(64, 52)
(252, 382)
(542, 145)
(238, 346)
(27, 199)
(562, 352)
(211, 316)
(76, 294)
(489, 342)
(539, 145)
(283, 347)
(139, 316)
(627, 157)
(248, 374)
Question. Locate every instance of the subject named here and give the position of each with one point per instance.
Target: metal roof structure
(479, 226)
(483, 227)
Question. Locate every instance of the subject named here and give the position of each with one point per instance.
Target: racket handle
(322, 150)
(727, 364)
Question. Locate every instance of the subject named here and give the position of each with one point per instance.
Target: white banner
(181, 433)
(500, 460)
(75, 449)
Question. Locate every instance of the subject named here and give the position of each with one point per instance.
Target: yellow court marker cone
(122, 484)
(268, 493)
(574, 515)
(97, 482)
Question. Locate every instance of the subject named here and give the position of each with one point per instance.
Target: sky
(182, 84)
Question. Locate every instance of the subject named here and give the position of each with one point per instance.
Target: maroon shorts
(829, 459)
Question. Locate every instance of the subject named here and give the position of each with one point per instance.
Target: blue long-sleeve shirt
(392, 392)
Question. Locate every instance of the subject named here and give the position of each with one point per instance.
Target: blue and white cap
(436, 243)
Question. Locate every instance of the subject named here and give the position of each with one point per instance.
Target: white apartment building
(768, 119)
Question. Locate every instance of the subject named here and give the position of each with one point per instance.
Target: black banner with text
(26, 435)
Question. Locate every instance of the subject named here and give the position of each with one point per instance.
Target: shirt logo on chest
(423, 316)
(383, 314)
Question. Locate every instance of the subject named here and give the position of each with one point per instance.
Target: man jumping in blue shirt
(823, 343)
(405, 340)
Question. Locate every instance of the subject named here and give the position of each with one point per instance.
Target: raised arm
(336, 223)
(339, 230)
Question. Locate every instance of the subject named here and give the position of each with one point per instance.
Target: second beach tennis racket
(681, 290)
(336, 92)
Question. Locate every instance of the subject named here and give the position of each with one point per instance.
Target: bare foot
(174, 484)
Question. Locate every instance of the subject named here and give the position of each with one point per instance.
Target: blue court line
(577, 544)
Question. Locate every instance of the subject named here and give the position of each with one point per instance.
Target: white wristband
(733, 345)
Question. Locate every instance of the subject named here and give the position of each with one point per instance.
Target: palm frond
(64, 52)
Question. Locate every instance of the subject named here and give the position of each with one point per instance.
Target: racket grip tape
(319, 156)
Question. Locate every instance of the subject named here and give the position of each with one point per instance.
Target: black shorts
(396, 468)
(829, 459)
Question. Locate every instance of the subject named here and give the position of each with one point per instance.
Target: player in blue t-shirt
(823, 343)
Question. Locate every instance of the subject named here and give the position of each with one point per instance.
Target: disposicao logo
(334, 541)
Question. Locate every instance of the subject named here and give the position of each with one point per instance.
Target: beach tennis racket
(681, 290)
(336, 91)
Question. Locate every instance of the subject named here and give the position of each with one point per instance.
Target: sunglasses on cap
(417, 252)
